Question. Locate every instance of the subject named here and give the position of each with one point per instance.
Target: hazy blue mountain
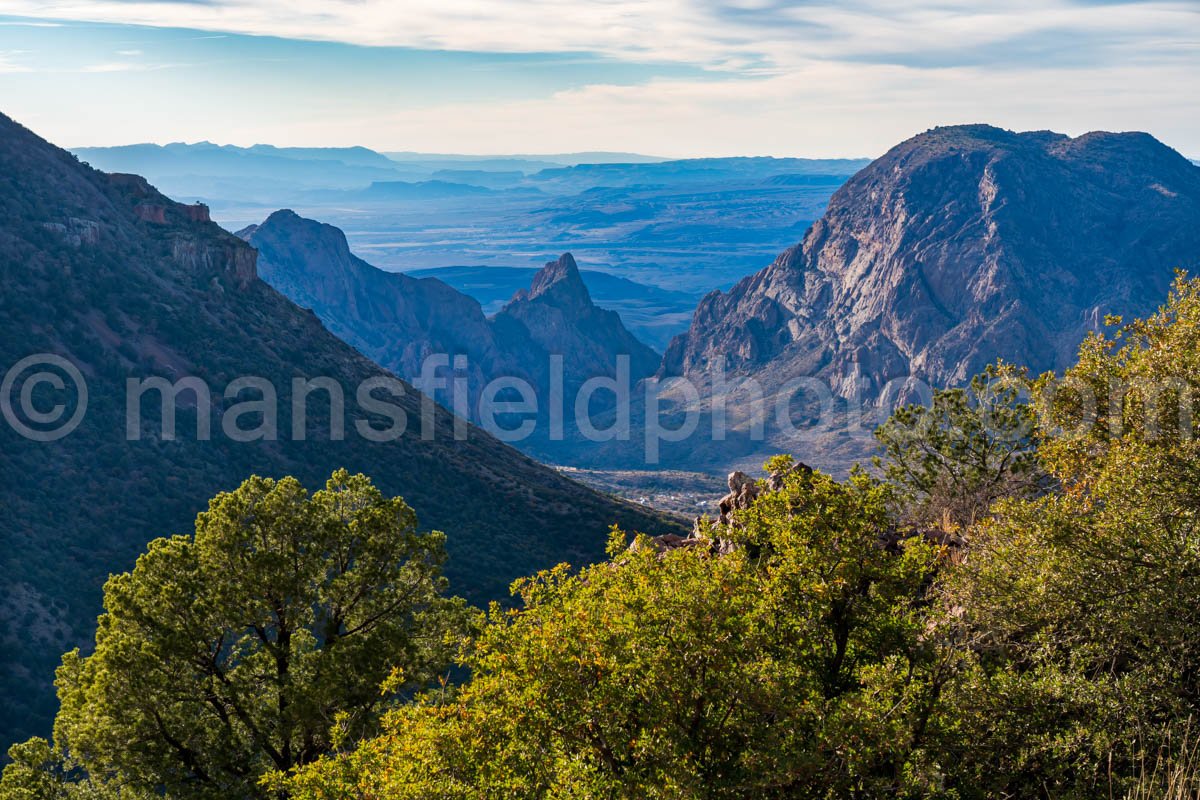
(687, 238)
(176, 164)
(653, 314)
(399, 320)
(491, 179)
(387, 191)
(559, 159)
(689, 226)
(695, 171)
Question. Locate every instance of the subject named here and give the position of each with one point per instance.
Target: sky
(672, 78)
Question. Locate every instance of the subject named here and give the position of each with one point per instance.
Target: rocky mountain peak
(560, 284)
(559, 316)
(958, 246)
(309, 233)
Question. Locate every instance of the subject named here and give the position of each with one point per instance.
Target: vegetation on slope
(818, 646)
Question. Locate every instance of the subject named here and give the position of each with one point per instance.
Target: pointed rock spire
(560, 282)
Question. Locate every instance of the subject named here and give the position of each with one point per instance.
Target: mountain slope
(104, 271)
(395, 320)
(959, 246)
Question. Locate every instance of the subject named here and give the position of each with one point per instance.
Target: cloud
(8, 62)
(733, 35)
(798, 77)
(123, 66)
(821, 109)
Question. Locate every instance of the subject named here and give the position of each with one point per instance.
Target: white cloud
(789, 77)
(723, 34)
(124, 66)
(818, 110)
(8, 62)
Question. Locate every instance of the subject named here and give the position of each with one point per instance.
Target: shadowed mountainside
(106, 272)
(400, 321)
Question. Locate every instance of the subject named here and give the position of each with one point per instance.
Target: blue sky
(665, 77)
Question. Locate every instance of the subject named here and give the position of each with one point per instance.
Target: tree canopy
(829, 639)
(253, 644)
(791, 667)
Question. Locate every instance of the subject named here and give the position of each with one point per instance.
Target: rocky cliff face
(396, 320)
(959, 246)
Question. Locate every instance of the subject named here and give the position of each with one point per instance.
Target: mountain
(697, 172)
(959, 246)
(394, 319)
(651, 313)
(558, 159)
(103, 280)
(688, 226)
(179, 163)
(561, 318)
(400, 321)
(422, 190)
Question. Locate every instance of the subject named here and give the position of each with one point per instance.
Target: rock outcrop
(714, 534)
(719, 536)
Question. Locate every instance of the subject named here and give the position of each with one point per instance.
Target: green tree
(953, 459)
(36, 771)
(791, 667)
(1081, 608)
(252, 645)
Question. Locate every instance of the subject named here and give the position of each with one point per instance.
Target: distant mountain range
(106, 272)
(691, 225)
(556, 159)
(304, 168)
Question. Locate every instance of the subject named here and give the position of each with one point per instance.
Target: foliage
(253, 644)
(1081, 607)
(952, 459)
(36, 771)
(797, 672)
(159, 300)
